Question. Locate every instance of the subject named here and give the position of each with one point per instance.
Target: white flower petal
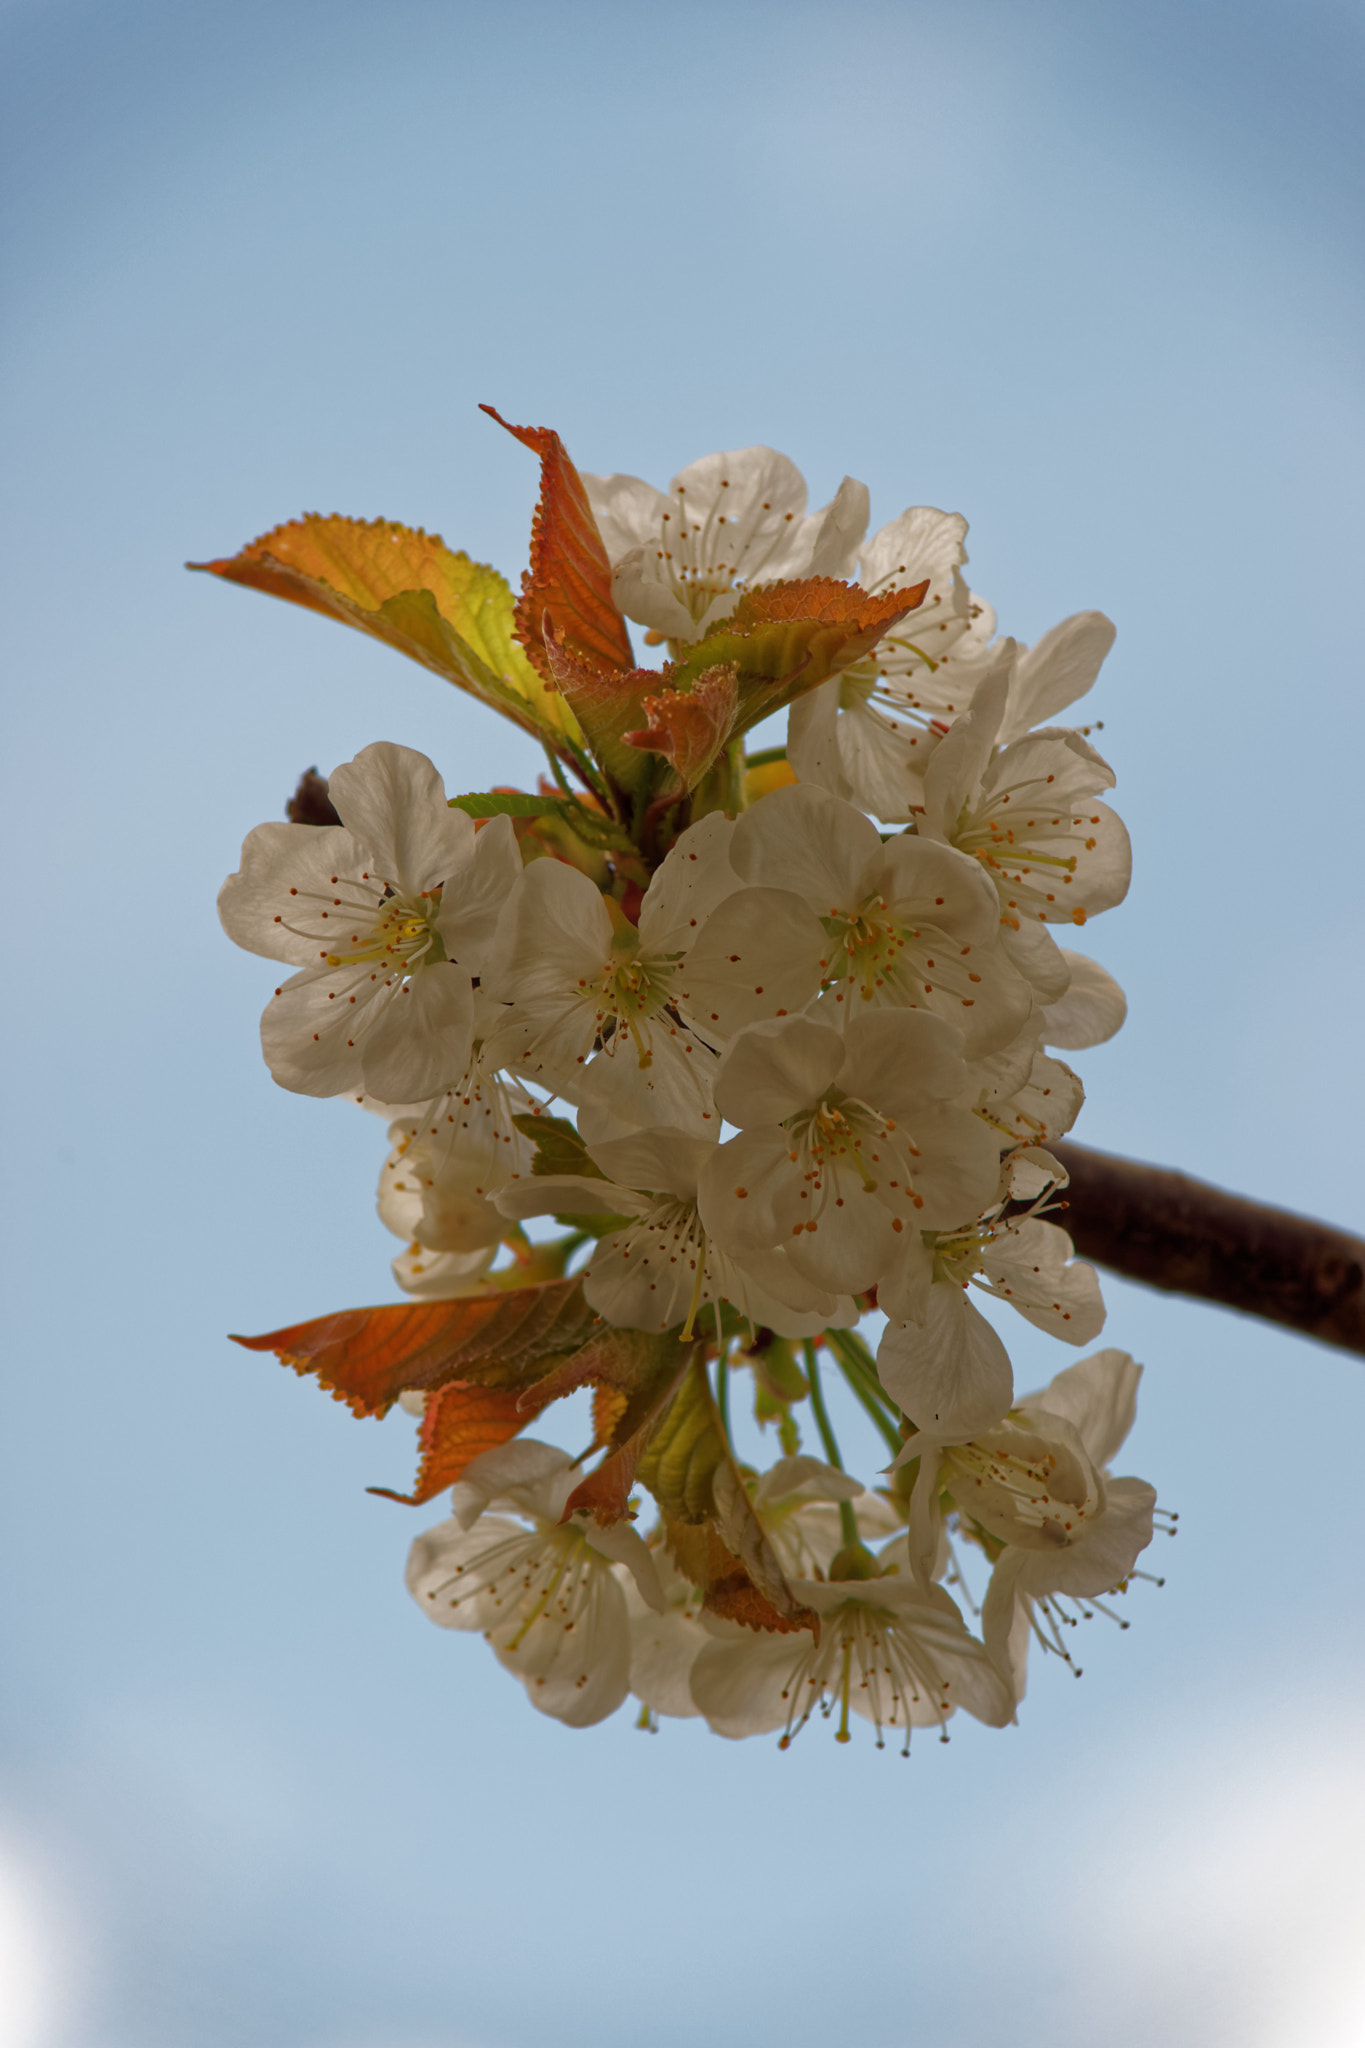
(423, 1038)
(758, 956)
(1056, 670)
(624, 1545)
(694, 879)
(1098, 1396)
(1031, 1265)
(394, 800)
(283, 900)
(800, 838)
(774, 1069)
(953, 1377)
(749, 1195)
(1090, 1012)
(476, 892)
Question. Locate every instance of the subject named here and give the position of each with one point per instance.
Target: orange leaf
(824, 598)
(461, 1422)
(570, 575)
(690, 727)
(408, 589)
(604, 702)
(361, 560)
(366, 1357)
(725, 1586)
(642, 1372)
(608, 1406)
(786, 638)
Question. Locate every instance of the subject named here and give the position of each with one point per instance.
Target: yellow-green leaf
(559, 1149)
(408, 589)
(685, 1453)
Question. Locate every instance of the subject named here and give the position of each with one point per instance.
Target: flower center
(1038, 1499)
(531, 1576)
(842, 1147)
(401, 936)
(1018, 849)
(892, 962)
(629, 993)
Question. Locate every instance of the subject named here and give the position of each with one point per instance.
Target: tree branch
(1166, 1230)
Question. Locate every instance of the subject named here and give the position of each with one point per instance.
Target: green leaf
(684, 1454)
(690, 1469)
(591, 826)
(591, 1226)
(559, 1149)
(508, 803)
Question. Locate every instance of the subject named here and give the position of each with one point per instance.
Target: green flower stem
(854, 1360)
(560, 777)
(848, 1521)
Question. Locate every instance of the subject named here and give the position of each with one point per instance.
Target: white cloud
(27, 1959)
(1224, 1904)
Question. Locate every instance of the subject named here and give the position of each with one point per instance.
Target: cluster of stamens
(691, 549)
(862, 1650)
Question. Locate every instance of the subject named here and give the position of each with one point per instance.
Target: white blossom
(443, 1276)
(897, 1654)
(1035, 1589)
(867, 734)
(1029, 813)
(1037, 1486)
(387, 917)
(909, 924)
(657, 1268)
(543, 1591)
(709, 956)
(946, 1366)
(799, 1500)
(682, 558)
(850, 1146)
(451, 1158)
(1025, 1094)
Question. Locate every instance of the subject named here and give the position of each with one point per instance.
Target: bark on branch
(1167, 1230)
(1163, 1228)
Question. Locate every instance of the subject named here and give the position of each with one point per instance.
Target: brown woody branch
(1163, 1228)
(1166, 1230)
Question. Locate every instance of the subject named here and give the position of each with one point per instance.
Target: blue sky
(1089, 274)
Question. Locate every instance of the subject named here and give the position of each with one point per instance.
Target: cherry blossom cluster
(771, 1041)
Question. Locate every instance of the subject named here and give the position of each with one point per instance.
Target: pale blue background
(1088, 273)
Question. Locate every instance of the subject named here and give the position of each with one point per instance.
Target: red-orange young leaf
(462, 1422)
(784, 639)
(608, 1406)
(725, 1586)
(689, 727)
(570, 575)
(641, 1371)
(604, 702)
(826, 599)
(366, 1357)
